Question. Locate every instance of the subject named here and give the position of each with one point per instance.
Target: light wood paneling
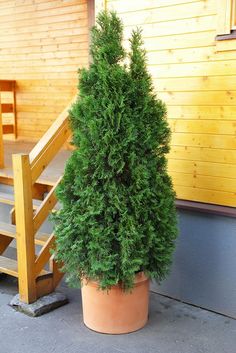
(42, 45)
(196, 77)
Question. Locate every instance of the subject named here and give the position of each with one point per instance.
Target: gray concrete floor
(173, 327)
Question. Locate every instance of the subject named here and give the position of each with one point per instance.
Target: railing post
(24, 228)
(1, 137)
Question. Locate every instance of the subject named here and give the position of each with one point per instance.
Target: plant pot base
(115, 311)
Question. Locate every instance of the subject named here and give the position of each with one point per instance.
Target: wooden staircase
(38, 274)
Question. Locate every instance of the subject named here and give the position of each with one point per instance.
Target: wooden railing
(27, 168)
(8, 125)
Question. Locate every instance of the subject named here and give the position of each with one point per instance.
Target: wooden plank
(8, 266)
(6, 179)
(13, 216)
(62, 44)
(50, 144)
(7, 108)
(44, 285)
(5, 241)
(225, 45)
(201, 154)
(45, 24)
(204, 140)
(202, 168)
(222, 50)
(216, 112)
(198, 69)
(44, 255)
(8, 230)
(181, 26)
(41, 238)
(222, 127)
(8, 129)
(153, 10)
(200, 83)
(223, 16)
(28, 6)
(10, 200)
(204, 195)
(14, 110)
(55, 269)
(9, 63)
(24, 227)
(44, 35)
(227, 98)
(24, 16)
(6, 85)
(204, 182)
(45, 208)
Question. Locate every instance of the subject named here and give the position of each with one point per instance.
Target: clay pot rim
(139, 279)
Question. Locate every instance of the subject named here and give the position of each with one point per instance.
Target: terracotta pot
(116, 311)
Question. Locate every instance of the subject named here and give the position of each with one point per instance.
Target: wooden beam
(46, 206)
(8, 266)
(7, 108)
(7, 86)
(224, 11)
(55, 269)
(14, 109)
(44, 255)
(4, 242)
(24, 228)
(50, 143)
(8, 129)
(44, 285)
(13, 216)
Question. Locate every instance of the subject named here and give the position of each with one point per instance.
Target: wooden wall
(196, 77)
(42, 45)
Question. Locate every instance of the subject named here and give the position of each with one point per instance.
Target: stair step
(9, 266)
(8, 199)
(7, 229)
(10, 231)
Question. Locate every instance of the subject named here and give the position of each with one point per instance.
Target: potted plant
(117, 226)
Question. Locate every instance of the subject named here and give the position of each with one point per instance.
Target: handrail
(49, 145)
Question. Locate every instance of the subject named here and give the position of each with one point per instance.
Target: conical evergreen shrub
(118, 215)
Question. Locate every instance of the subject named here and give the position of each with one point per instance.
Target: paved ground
(173, 328)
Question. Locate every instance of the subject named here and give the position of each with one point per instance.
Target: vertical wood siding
(42, 45)
(197, 80)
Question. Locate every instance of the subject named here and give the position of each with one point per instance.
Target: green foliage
(118, 215)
